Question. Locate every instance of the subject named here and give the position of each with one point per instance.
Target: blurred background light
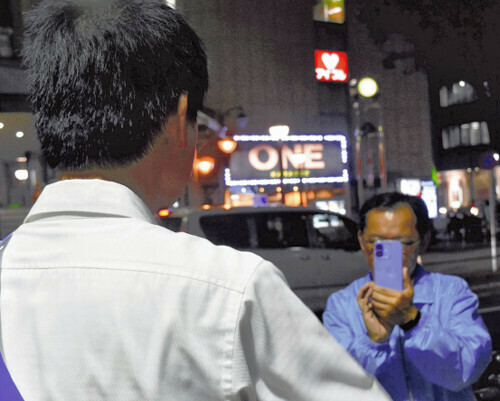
(21, 175)
(367, 87)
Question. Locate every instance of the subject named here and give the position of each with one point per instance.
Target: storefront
(298, 170)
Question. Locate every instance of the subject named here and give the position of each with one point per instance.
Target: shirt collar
(423, 285)
(89, 196)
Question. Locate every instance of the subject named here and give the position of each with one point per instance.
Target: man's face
(397, 224)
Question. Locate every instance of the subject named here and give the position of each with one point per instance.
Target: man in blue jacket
(426, 342)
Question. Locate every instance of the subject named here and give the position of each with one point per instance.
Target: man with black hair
(98, 302)
(426, 342)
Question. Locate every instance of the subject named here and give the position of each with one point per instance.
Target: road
(475, 265)
(471, 260)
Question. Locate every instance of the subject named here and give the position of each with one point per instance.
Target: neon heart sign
(331, 66)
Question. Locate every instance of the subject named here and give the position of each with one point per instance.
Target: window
(331, 231)
(485, 133)
(172, 223)
(260, 230)
(459, 93)
(468, 134)
(230, 230)
(282, 230)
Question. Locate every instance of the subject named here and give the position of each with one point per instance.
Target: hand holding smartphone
(388, 264)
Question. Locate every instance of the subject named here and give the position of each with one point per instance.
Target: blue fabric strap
(8, 390)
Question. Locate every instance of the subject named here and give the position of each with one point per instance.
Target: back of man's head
(105, 74)
(391, 201)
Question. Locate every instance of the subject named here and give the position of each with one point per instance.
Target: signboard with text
(329, 11)
(331, 66)
(304, 158)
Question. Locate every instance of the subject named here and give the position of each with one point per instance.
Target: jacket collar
(424, 287)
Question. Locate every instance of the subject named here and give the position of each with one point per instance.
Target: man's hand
(393, 307)
(378, 330)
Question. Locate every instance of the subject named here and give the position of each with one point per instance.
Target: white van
(317, 250)
(10, 219)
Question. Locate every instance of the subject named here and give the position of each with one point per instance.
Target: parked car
(466, 226)
(317, 250)
(10, 219)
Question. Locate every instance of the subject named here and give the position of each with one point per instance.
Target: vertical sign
(329, 11)
(331, 66)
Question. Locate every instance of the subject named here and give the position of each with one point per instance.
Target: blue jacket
(436, 360)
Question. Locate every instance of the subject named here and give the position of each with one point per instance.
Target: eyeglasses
(407, 245)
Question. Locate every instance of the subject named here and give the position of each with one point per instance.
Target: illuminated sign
(424, 189)
(310, 159)
(331, 66)
(329, 11)
(429, 195)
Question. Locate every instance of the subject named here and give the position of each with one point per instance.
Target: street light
(205, 165)
(21, 174)
(369, 135)
(227, 145)
(280, 132)
(367, 87)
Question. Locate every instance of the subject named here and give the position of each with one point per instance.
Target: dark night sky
(454, 37)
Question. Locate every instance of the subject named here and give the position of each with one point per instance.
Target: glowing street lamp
(369, 134)
(367, 87)
(205, 165)
(21, 174)
(227, 145)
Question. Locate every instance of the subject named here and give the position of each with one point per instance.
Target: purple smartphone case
(388, 264)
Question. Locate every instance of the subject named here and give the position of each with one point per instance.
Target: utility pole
(369, 135)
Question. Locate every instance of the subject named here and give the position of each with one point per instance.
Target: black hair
(391, 201)
(104, 75)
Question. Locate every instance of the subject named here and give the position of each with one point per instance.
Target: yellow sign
(329, 11)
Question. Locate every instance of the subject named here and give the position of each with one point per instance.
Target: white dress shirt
(99, 303)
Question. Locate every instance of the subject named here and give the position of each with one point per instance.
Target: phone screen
(388, 264)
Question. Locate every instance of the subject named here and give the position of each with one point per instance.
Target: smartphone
(388, 264)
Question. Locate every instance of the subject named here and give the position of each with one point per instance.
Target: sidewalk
(471, 259)
(458, 246)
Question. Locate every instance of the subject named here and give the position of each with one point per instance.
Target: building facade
(262, 58)
(262, 61)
